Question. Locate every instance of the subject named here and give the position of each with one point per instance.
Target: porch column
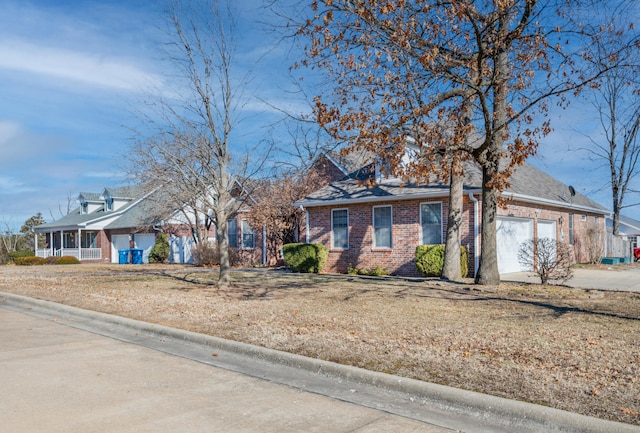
(62, 242)
(35, 242)
(51, 242)
(79, 243)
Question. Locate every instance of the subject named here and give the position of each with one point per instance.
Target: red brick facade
(406, 232)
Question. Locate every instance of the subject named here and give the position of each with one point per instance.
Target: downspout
(264, 244)
(476, 256)
(306, 224)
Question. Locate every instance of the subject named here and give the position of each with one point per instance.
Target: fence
(616, 247)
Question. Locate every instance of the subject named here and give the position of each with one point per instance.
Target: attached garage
(118, 242)
(510, 234)
(547, 229)
(145, 241)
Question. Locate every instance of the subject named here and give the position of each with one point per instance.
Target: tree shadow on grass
(264, 285)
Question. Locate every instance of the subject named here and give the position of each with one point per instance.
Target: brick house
(381, 225)
(131, 217)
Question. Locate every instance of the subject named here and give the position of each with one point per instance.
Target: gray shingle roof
(130, 215)
(527, 183)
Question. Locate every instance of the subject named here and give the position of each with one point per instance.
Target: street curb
(480, 411)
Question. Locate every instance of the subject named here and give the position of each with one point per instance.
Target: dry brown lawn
(572, 349)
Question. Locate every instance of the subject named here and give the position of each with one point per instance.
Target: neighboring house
(381, 225)
(128, 217)
(628, 229)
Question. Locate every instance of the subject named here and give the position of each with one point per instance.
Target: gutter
(535, 200)
(376, 199)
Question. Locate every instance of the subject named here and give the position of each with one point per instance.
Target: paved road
(59, 379)
(68, 370)
(621, 279)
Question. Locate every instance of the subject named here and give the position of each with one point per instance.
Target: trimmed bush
(66, 260)
(307, 258)
(160, 251)
(13, 255)
(430, 260)
(29, 261)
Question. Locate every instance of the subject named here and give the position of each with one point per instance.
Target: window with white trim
(431, 223)
(340, 229)
(232, 232)
(382, 224)
(247, 235)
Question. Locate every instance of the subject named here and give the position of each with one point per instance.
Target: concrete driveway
(619, 279)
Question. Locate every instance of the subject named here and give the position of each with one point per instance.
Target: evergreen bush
(29, 261)
(160, 251)
(307, 258)
(66, 260)
(430, 260)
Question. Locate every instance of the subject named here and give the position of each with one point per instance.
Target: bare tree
(194, 152)
(406, 66)
(617, 100)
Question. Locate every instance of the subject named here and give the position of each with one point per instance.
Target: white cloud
(76, 66)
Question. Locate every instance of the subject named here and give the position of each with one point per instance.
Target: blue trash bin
(123, 257)
(136, 256)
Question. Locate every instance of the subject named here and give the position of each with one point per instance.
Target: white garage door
(546, 229)
(118, 242)
(145, 242)
(510, 234)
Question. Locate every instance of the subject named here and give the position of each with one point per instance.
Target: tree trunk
(223, 250)
(488, 267)
(451, 268)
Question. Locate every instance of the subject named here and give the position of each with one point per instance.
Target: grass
(573, 349)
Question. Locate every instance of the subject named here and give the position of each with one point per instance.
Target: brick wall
(406, 232)
(406, 235)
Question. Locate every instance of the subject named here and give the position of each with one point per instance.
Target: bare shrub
(548, 258)
(205, 254)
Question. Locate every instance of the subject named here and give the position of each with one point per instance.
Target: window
(232, 233)
(85, 207)
(247, 235)
(431, 222)
(88, 239)
(109, 203)
(382, 227)
(570, 228)
(340, 229)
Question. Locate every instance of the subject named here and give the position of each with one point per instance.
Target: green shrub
(29, 261)
(430, 260)
(378, 271)
(13, 255)
(307, 258)
(160, 251)
(66, 260)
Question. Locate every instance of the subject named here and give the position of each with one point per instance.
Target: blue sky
(74, 73)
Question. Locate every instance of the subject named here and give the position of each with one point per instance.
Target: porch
(78, 243)
(78, 253)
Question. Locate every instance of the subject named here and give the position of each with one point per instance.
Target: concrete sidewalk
(68, 370)
(618, 279)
